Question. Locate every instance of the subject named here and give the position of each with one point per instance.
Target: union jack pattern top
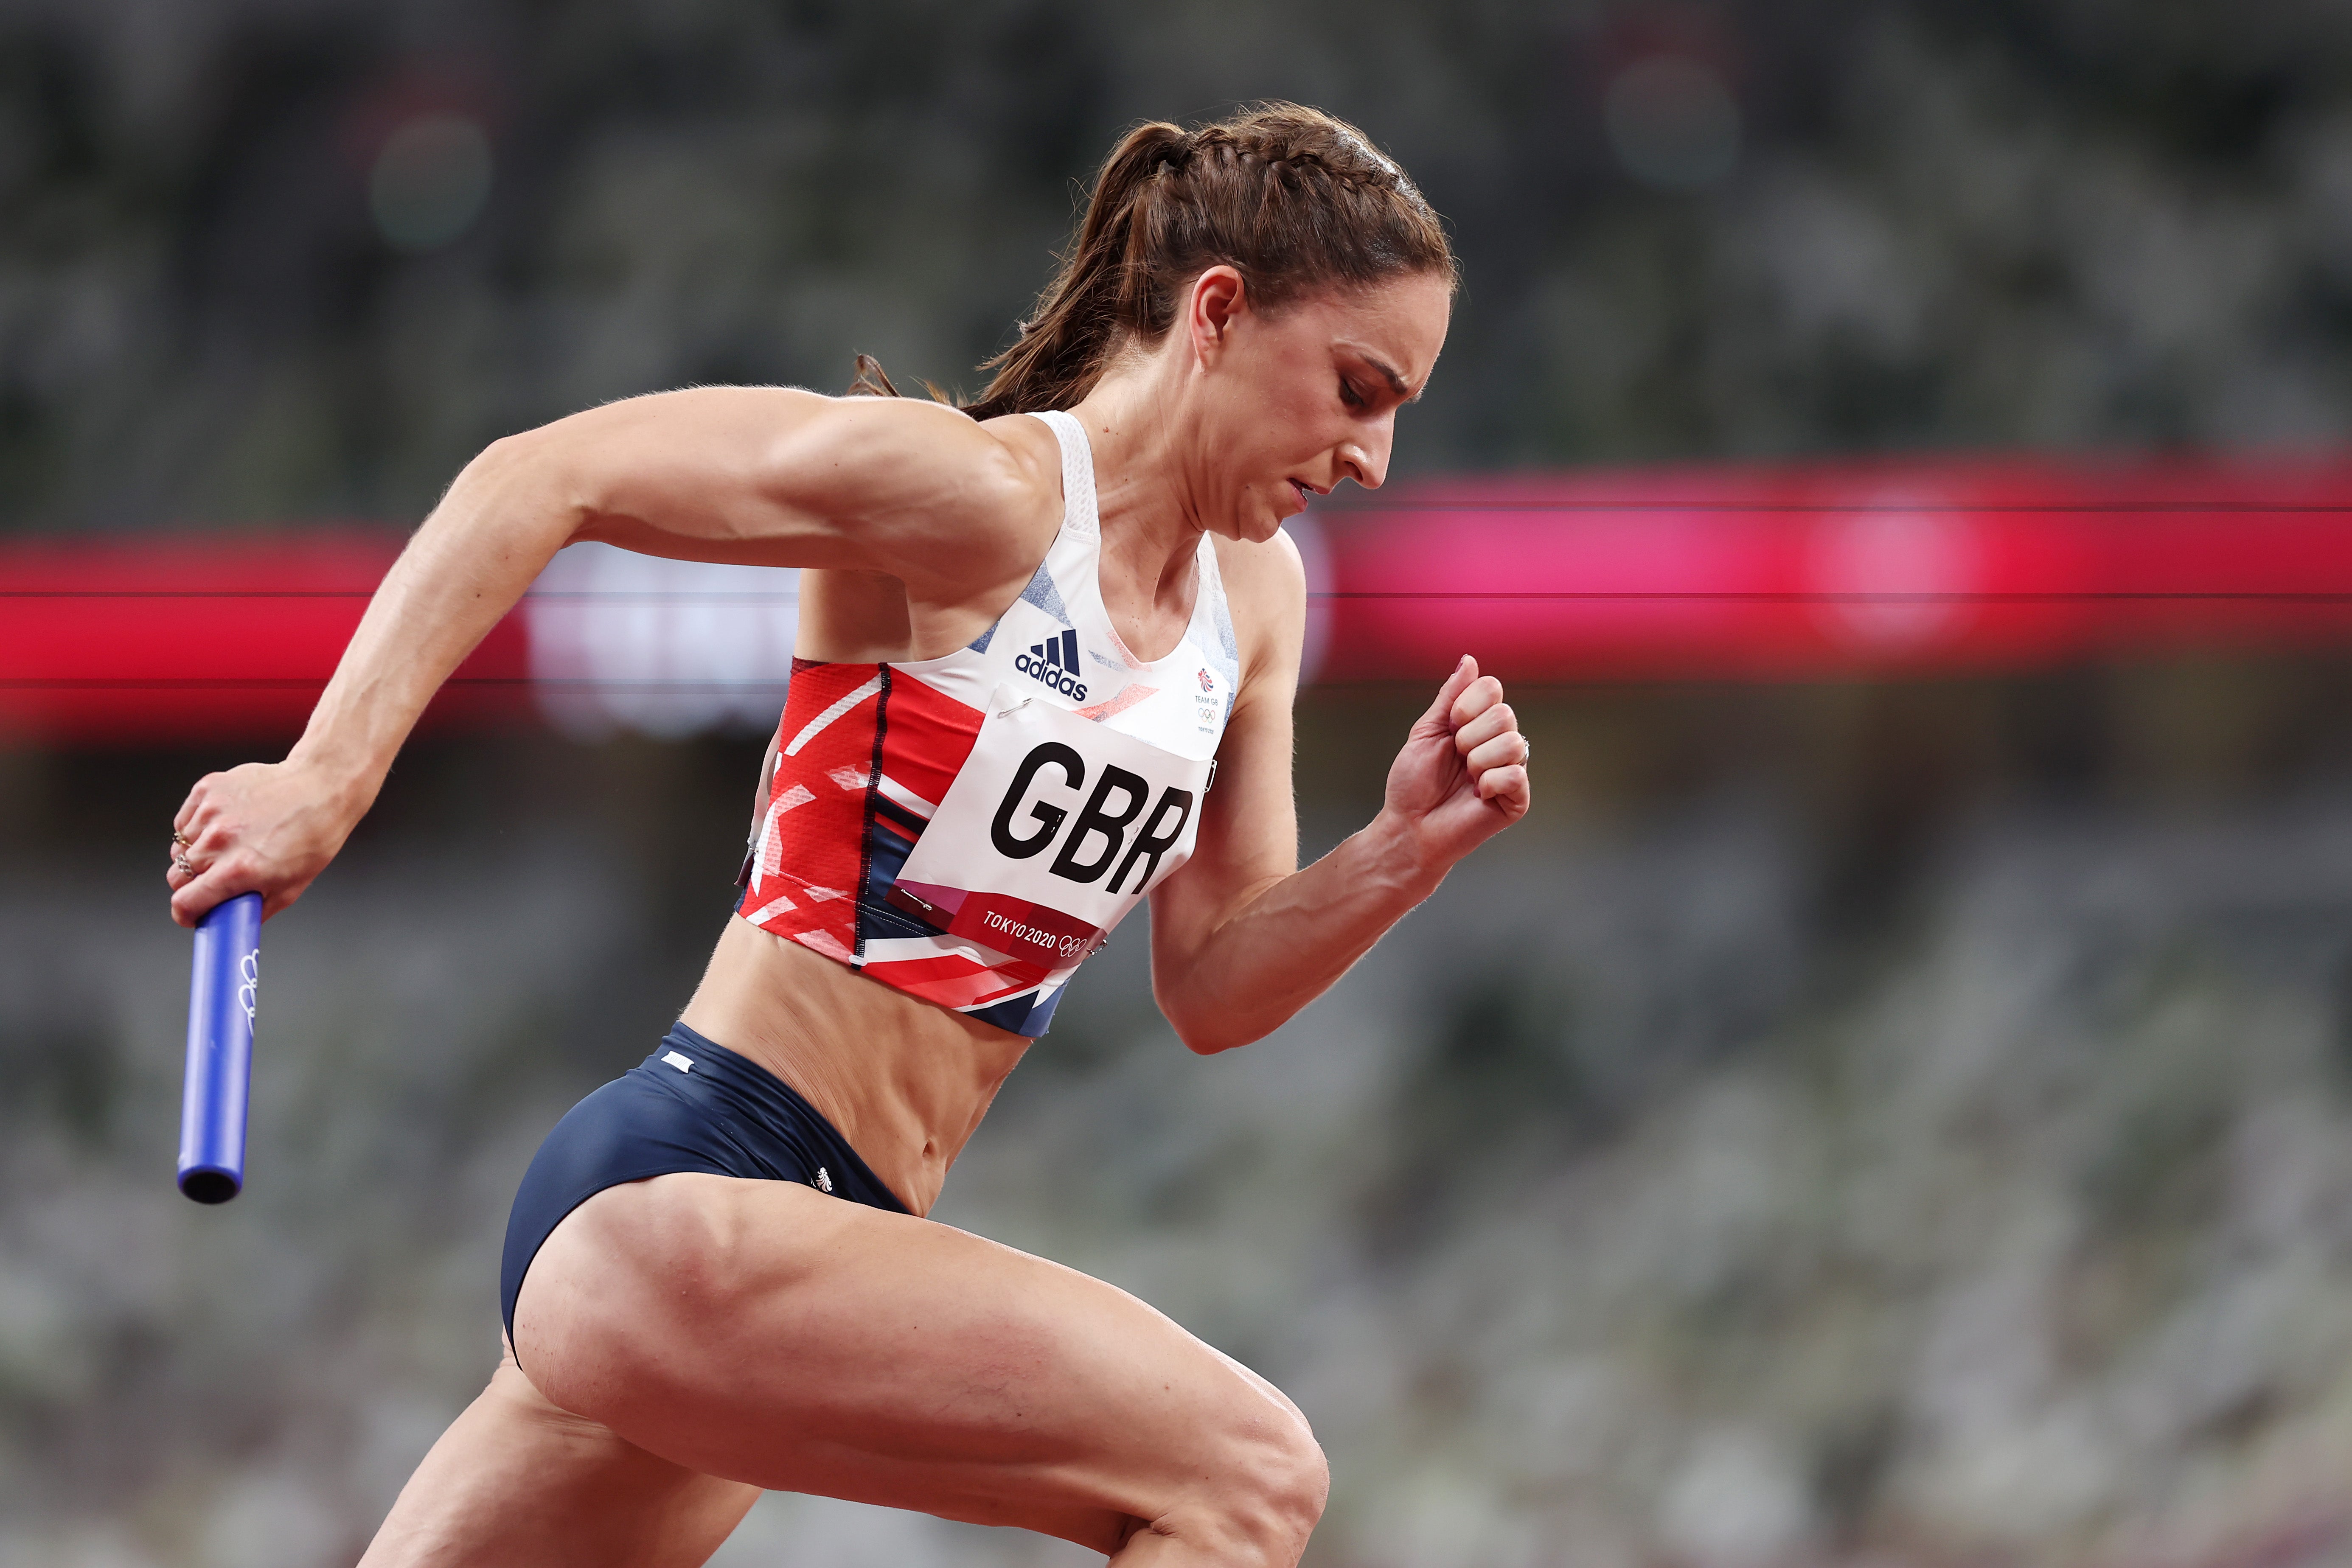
(864, 751)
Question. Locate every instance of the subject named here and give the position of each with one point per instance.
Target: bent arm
(766, 476)
(1240, 938)
(1239, 979)
(496, 529)
(763, 475)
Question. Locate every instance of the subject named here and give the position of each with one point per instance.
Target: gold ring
(184, 843)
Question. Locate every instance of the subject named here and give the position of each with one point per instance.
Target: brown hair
(1290, 197)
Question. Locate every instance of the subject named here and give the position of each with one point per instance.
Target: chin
(1251, 525)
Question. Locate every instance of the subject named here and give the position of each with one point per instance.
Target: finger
(1464, 671)
(1507, 750)
(183, 852)
(1495, 721)
(211, 885)
(194, 804)
(1476, 699)
(1506, 787)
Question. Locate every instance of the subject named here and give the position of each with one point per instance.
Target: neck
(1151, 525)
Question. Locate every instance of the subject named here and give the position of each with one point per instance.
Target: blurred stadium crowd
(262, 260)
(1854, 1123)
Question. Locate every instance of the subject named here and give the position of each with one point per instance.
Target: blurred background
(1890, 1105)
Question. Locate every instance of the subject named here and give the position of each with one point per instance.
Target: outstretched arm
(1241, 939)
(765, 476)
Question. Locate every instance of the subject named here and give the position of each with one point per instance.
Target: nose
(1367, 461)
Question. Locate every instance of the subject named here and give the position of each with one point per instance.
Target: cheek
(1284, 433)
(1277, 423)
(1240, 446)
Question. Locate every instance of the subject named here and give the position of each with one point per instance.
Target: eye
(1348, 395)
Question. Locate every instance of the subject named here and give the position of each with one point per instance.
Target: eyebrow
(1396, 382)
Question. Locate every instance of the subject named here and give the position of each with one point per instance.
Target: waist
(905, 1082)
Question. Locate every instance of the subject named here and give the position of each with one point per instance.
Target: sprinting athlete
(1050, 645)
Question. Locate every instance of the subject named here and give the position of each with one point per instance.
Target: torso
(906, 1068)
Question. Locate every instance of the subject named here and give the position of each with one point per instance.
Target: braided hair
(1290, 197)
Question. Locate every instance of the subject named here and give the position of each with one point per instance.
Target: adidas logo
(1055, 662)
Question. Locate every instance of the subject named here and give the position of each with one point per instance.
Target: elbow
(522, 452)
(1206, 1030)
(1205, 1043)
(544, 463)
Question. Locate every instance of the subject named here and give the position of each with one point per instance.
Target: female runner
(1048, 669)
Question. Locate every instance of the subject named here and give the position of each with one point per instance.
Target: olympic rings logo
(248, 994)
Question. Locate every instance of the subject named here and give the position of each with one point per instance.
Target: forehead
(1400, 321)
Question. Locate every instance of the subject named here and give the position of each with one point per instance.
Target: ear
(1217, 301)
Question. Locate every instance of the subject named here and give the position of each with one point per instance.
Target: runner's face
(1307, 396)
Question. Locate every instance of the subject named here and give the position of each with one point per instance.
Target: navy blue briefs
(693, 1105)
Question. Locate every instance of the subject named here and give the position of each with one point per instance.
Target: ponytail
(1096, 294)
(1290, 197)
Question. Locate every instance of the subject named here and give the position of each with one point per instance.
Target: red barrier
(183, 637)
(1755, 572)
(1900, 566)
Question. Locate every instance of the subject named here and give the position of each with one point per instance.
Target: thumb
(1440, 716)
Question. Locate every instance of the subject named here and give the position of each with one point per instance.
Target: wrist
(1400, 855)
(346, 786)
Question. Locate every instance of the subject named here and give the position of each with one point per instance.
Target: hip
(691, 1105)
(904, 1081)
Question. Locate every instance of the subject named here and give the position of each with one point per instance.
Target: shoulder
(1266, 581)
(940, 494)
(900, 451)
(1265, 589)
(1025, 457)
(843, 457)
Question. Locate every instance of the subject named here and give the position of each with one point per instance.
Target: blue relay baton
(222, 990)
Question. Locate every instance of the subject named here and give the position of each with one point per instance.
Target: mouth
(1307, 492)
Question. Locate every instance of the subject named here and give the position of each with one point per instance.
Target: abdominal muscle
(904, 1081)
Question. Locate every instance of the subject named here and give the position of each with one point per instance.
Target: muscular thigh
(764, 1332)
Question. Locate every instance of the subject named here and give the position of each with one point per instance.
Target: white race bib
(1055, 828)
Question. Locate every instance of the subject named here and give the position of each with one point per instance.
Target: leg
(517, 1483)
(762, 1331)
